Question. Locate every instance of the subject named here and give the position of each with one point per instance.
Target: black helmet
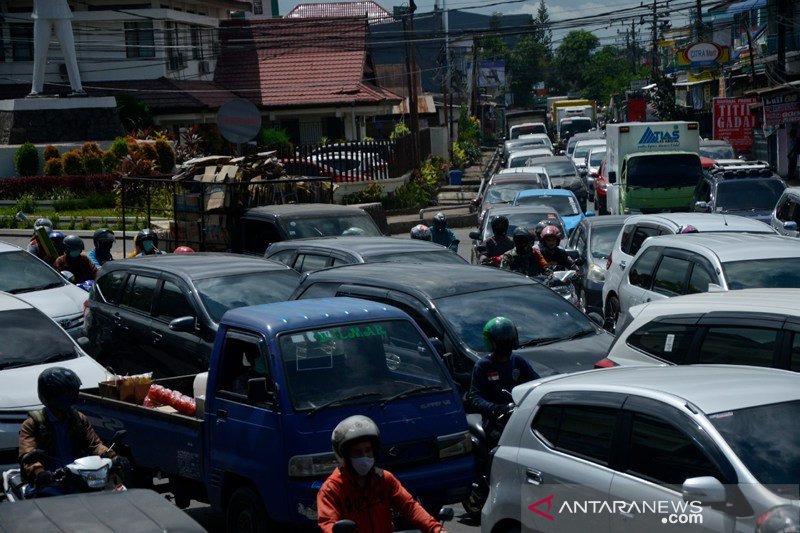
(103, 235)
(522, 236)
(500, 333)
(58, 388)
(541, 225)
(43, 222)
(73, 243)
(439, 221)
(353, 429)
(499, 225)
(146, 235)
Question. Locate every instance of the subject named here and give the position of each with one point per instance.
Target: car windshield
(664, 171)
(526, 161)
(433, 256)
(582, 150)
(526, 219)
(596, 157)
(254, 288)
(717, 152)
(505, 192)
(576, 126)
(330, 225)
(564, 205)
(369, 361)
(748, 195)
(602, 240)
(30, 338)
(762, 273)
(765, 438)
(527, 130)
(537, 312)
(559, 169)
(21, 272)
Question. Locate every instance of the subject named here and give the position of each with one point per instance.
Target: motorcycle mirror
(475, 235)
(344, 526)
(84, 343)
(446, 514)
(596, 318)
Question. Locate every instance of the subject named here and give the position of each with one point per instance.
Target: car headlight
(313, 465)
(597, 274)
(454, 445)
(783, 518)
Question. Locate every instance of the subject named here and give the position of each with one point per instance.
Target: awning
(734, 9)
(690, 83)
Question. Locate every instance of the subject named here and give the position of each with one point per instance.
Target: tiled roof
(373, 11)
(298, 62)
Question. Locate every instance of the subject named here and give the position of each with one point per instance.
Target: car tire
(245, 512)
(611, 313)
(601, 208)
(515, 528)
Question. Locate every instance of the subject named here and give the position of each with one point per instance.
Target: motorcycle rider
(103, 239)
(421, 232)
(57, 238)
(499, 243)
(441, 234)
(73, 260)
(539, 227)
(359, 491)
(498, 371)
(552, 253)
(145, 243)
(58, 430)
(523, 258)
(33, 246)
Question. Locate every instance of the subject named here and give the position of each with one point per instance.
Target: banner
(702, 55)
(734, 123)
(492, 74)
(781, 109)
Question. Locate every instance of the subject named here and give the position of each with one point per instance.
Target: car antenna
(724, 219)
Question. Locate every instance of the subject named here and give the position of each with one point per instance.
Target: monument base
(51, 120)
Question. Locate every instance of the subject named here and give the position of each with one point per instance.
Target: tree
(573, 56)
(528, 65)
(492, 45)
(607, 73)
(542, 32)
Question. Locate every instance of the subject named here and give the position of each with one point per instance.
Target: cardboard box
(216, 197)
(124, 391)
(187, 202)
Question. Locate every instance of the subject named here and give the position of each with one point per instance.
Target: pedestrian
(794, 151)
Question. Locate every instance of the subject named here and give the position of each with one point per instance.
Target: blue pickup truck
(281, 377)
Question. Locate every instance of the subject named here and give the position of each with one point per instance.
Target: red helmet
(551, 231)
(183, 250)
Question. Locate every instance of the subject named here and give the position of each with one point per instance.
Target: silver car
(650, 449)
(786, 215)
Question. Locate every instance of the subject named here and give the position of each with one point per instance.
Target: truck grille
(408, 453)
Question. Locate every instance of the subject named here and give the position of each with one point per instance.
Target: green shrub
(400, 130)
(110, 161)
(51, 152)
(53, 167)
(93, 162)
(73, 223)
(26, 160)
(72, 162)
(273, 139)
(26, 203)
(86, 223)
(166, 156)
(372, 193)
(90, 148)
(149, 151)
(119, 148)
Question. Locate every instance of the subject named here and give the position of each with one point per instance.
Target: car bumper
(593, 296)
(10, 422)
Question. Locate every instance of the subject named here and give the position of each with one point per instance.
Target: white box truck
(652, 166)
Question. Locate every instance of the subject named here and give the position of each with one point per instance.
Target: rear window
(662, 171)
(559, 169)
(434, 256)
(763, 273)
(517, 131)
(326, 226)
(669, 342)
(254, 288)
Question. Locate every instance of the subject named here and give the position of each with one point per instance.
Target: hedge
(42, 187)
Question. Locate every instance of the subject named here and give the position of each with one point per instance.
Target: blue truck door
(244, 434)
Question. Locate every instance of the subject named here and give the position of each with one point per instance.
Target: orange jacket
(370, 507)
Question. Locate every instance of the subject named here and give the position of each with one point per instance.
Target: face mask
(148, 246)
(362, 465)
(74, 253)
(104, 245)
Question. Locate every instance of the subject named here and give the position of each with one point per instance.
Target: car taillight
(608, 261)
(605, 363)
(85, 307)
(593, 174)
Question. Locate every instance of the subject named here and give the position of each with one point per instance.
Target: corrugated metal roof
(368, 8)
(298, 62)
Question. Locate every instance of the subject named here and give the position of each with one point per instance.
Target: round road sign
(238, 120)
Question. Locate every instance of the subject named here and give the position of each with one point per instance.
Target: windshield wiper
(551, 340)
(409, 392)
(51, 285)
(63, 356)
(342, 400)
(16, 364)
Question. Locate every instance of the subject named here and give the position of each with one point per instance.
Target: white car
(31, 343)
(34, 281)
(672, 265)
(744, 327)
(527, 158)
(582, 149)
(639, 228)
(527, 128)
(650, 449)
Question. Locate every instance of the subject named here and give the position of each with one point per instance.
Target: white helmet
(354, 428)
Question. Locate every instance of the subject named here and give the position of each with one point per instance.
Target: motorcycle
(563, 282)
(86, 474)
(484, 440)
(348, 526)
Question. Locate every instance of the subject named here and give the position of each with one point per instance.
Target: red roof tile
(298, 62)
(373, 11)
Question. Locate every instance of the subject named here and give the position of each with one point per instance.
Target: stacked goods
(159, 396)
(131, 389)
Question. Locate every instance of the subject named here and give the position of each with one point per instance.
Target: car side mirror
(257, 391)
(612, 177)
(183, 324)
(573, 253)
(67, 275)
(438, 345)
(707, 490)
(590, 213)
(475, 235)
(701, 206)
(790, 225)
(84, 343)
(446, 514)
(596, 318)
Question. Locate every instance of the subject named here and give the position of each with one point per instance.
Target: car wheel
(515, 528)
(246, 513)
(611, 313)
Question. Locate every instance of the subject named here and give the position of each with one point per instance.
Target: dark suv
(750, 193)
(161, 313)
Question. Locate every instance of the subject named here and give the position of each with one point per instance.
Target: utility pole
(785, 11)
(633, 46)
(448, 112)
(698, 24)
(655, 41)
(408, 26)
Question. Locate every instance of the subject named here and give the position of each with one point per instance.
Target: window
(642, 270)
(284, 256)
(172, 41)
(173, 303)
(110, 284)
(699, 280)
(310, 262)
(625, 242)
(138, 293)
(583, 430)
(320, 290)
(670, 276)
(21, 42)
(258, 234)
(784, 210)
(738, 345)
(670, 342)
(640, 235)
(794, 364)
(703, 192)
(196, 35)
(139, 40)
(661, 453)
(242, 360)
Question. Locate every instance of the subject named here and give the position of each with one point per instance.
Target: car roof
(421, 279)
(599, 134)
(305, 210)
(711, 388)
(705, 222)
(508, 209)
(732, 246)
(532, 151)
(519, 172)
(553, 159)
(198, 265)
(9, 302)
(714, 142)
(311, 313)
(783, 301)
(591, 142)
(545, 192)
(513, 177)
(361, 245)
(605, 220)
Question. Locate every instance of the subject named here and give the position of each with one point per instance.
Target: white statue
(49, 16)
